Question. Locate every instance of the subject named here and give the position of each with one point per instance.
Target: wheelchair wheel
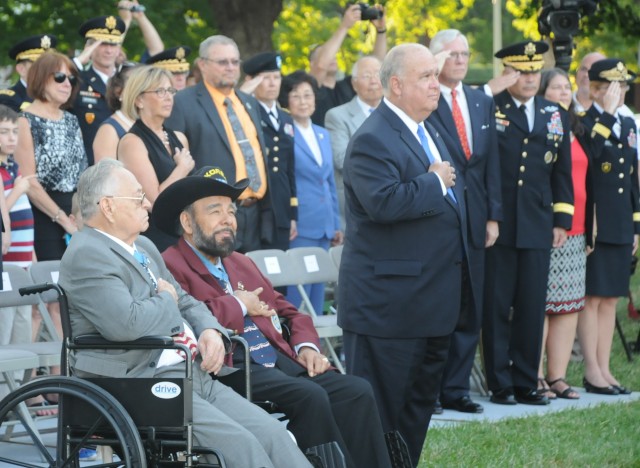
(87, 416)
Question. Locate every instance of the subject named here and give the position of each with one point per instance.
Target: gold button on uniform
(524, 154)
(276, 159)
(520, 182)
(620, 190)
(521, 168)
(275, 138)
(621, 175)
(275, 169)
(525, 141)
(620, 145)
(275, 148)
(621, 160)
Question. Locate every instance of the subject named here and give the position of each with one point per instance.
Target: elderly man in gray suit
(118, 286)
(343, 121)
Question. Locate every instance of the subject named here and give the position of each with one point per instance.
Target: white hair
(444, 37)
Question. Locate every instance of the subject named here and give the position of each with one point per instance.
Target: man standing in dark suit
(103, 36)
(25, 53)
(321, 404)
(537, 200)
(223, 129)
(466, 116)
(277, 128)
(402, 265)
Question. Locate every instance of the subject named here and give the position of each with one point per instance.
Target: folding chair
(314, 265)
(46, 272)
(15, 278)
(275, 265)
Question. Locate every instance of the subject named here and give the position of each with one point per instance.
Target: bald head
(582, 75)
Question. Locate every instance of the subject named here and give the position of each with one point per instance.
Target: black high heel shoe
(622, 390)
(590, 388)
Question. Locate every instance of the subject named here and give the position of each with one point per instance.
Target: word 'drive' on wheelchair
(136, 422)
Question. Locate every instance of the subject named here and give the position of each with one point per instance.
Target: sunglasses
(59, 77)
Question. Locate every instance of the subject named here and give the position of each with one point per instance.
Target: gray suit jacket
(342, 122)
(110, 293)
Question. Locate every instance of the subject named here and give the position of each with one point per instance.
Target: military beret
(263, 62)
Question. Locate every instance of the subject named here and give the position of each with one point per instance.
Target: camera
(369, 12)
(134, 8)
(562, 18)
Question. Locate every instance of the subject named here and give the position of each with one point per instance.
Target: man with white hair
(467, 117)
(402, 265)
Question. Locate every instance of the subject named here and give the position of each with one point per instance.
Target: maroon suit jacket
(193, 276)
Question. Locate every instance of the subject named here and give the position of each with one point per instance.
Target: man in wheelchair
(119, 287)
(322, 405)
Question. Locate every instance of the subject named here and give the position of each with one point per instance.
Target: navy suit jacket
(481, 171)
(318, 214)
(401, 268)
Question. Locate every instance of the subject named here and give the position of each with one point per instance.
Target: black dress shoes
(437, 407)
(530, 396)
(503, 396)
(622, 390)
(590, 388)
(464, 405)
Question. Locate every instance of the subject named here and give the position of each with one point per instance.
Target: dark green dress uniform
(278, 138)
(91, 106)
(27, 50)
(537, 195)
(612, 191)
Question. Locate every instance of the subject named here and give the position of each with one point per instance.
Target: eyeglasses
(301, 97)
(458, 55)
(140, 199)
(368, 76)
(59, 77)
(162, 92)
(224, 62)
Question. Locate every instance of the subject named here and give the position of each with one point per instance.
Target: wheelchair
(143, 421)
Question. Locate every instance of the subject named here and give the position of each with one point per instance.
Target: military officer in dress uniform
(175, 61)
(91, 106)
(277, 127)
(613, 199)
(537, 198)
(25, 53)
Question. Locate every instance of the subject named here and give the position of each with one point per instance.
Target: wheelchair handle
(39, 288)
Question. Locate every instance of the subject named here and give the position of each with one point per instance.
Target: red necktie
(460, 126)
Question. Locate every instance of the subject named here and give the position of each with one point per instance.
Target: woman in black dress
(155, 154)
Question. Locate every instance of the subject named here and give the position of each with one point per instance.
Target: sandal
(568, 393)
(46, 408)
(545, 390)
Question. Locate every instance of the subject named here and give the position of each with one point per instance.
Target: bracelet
(381, 31)
(57, 216)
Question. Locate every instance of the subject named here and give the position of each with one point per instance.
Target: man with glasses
(103, 36)
(343, 121)
(466, 119)
(223, 128)
(118, 286)
(25, 53)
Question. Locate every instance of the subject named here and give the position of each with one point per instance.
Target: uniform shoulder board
(8, 92)
(581, 113)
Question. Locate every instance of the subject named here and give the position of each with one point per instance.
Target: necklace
(125, 119)
(165, 138)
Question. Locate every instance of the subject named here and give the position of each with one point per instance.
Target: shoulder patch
(8, 92)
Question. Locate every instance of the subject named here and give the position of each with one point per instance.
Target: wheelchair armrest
(95, 341)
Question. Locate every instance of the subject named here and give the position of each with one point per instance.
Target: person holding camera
(324, 67)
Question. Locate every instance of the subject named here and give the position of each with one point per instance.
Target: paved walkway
(493, 412)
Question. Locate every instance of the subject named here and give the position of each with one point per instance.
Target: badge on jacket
(632, 139)
(288, 129)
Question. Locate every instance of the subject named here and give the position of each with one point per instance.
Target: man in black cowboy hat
(321, 404)
(25, 53)
(537, 201)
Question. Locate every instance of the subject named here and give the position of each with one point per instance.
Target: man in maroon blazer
(322, 405)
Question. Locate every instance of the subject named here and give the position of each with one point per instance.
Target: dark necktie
(182, 337)
(460, 126)
(245, 147)
(260, 349)
(432, 159)
(523, 109)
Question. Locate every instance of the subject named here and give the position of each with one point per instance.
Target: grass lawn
(604, 436)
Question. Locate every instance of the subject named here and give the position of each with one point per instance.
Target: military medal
(632, 139)
(548, 157)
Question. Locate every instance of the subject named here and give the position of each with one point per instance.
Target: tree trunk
(248, 22)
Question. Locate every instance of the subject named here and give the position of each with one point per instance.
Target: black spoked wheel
(87, 416)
